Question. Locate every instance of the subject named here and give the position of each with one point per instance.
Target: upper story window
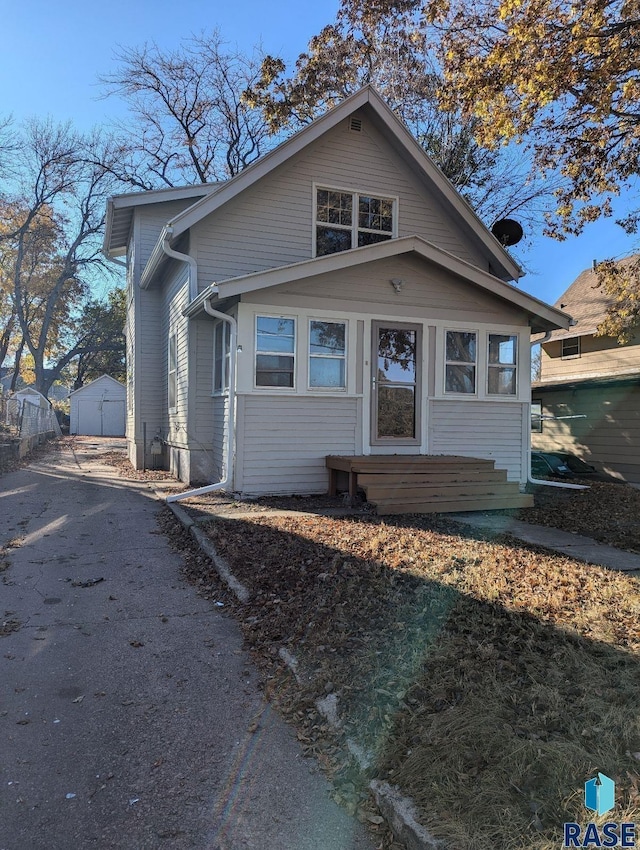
(571, 347)
(347, 220)
(275, 351)
(502, 370)
(460, 367)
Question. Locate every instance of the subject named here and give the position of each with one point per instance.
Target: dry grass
(488, 680)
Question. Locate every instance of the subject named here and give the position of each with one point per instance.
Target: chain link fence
(23, 419)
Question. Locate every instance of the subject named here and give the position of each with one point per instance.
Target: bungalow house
(335, 298)
(587, 399)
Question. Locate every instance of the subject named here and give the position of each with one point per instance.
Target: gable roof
(102, 379)
(543, 317)
(503, 265)
(120, 212)
(586, 301)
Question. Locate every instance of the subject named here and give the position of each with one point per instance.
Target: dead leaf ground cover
(488, 680)
(607, 512)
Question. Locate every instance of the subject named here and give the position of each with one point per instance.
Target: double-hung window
(347, 220)
(460, 362)
(327, 355)
(221, 357)
(502, 354)
(571, 347)
(275, 351)
(172, 371)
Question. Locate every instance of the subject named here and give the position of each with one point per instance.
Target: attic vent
(355, 124)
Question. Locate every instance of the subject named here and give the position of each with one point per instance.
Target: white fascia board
(95, 381)
(155, 258)
(551, 316)
(130, 200)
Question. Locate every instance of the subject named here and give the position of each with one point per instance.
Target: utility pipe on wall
(227, 482)
(183, 258)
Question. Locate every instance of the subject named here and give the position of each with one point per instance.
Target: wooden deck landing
(403, 484)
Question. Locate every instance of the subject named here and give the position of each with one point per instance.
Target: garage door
(101, 418)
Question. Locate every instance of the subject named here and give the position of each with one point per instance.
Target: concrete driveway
(129, 715)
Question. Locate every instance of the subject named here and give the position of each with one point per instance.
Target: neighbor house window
(502, 371)
(275, 351)
(327, 355)
(460, 365)
(536, 417)
(173, 371)
(347, 220)
(571, 347)
(221, 356)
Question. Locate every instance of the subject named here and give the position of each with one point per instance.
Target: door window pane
(396, 412)
(396, 355)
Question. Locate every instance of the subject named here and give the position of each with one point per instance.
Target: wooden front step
(401, 484)
(400, 479)
(458, 505)
(428, 493)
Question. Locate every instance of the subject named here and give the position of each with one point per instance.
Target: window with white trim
(345, 220)
(221, 357)
(536, 416)
(460, 362)
(571, 347)
(172, 383)
(275, 351)
(327, 355)
(502, 353)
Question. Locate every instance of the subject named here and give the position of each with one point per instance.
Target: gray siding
(434, 292)
(270, 224)
(174, 296)
(285, 441)
(151, 219)
(608, 436)
(480, 429)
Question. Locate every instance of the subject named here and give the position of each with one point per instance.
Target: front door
(395, 381)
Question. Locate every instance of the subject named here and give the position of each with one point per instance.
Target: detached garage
(97, 409)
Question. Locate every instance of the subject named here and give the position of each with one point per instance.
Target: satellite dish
(507, 231)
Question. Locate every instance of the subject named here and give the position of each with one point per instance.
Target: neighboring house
(593, 378)
(34, 397)
(98, 408)
(337, 297)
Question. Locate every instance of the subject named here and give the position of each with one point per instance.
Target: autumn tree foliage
(562, 80)
(391, 46)
(52, 209)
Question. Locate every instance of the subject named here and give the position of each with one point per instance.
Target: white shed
(32, 395)
(98, 409)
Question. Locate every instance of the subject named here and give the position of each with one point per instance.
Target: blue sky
(52, 54)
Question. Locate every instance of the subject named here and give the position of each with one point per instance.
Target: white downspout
(542, 481)
(184, 258)
(227, 482)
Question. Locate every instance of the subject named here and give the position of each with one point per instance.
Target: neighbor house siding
(598, 356)
(270, 224)
(609, 434)
(286, 439)
(480, 429)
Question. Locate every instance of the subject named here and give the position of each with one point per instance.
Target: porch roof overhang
(543, 317)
